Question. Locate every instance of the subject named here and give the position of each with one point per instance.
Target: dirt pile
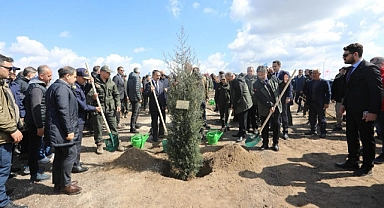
(233, 157)
(138, 160)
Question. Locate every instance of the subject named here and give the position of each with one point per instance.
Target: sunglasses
(346, 54)
(10, 68)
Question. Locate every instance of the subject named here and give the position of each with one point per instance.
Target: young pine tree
(184, 133)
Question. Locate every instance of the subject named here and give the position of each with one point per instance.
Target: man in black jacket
(118, 80)
(134, 95)
(223, 100)
(35, 109)
(363, 103)
(318, 95)
(267, 94)
(157, 87)
(62, 129)
(338, 92)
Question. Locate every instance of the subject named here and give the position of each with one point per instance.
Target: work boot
(99, 149)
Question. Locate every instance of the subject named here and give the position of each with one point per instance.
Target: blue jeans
(5, 168)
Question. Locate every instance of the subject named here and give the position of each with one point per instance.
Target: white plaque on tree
(182, 104)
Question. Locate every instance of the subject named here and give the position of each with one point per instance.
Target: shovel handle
(278, 100)
(158, 108)
(99, 104)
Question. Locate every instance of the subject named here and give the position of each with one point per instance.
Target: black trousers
(78, 146)
(284, 116)
(251, 118)
(118, 114)
(135, 113)
(35, 143)
(242, 122)
(317, 115)
(62, 165)
(355, 127)
(274, 121)
(223, 110)
(156, 129)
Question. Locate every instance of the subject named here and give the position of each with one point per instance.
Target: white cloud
(64, 34)
(153, 64)
(175, 7)
(196, 5)
(214, 64)
(141, 49)
(210, 11)
(26, 46)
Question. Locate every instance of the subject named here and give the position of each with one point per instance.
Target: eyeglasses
(346, 54)
(163, 75)
(10, 68)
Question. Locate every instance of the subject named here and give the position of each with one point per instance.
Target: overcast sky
(226, 35)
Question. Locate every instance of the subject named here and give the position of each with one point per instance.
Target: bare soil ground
(301, 174)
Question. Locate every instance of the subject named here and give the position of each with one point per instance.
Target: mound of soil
(233, 157)
(139, 160)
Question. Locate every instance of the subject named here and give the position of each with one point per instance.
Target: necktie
(156, 87)
(349, 72)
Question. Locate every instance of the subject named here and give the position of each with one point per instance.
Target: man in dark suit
(266, 92)
(362, 103)
(286, 98)
(157, 87)
(338, 92)
(318, 96)
(119, 81)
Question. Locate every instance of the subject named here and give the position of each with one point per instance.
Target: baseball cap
(106, 69)
(82, 72)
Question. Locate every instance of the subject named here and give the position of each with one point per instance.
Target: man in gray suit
(119, 81)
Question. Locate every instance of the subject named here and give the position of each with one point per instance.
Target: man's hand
(95, 96)
(369, 117)
(70, 136)
(40, 132)
(98, 109)
(333, 101)
(140, 101)
(326, 106)
(118, 109)
(342, 109)
(272, 109)
(17, 136)
(165, 89)
(152, 88)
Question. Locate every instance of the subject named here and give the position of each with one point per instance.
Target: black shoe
(362, 172)
(12, 175)
(134, 131)
(285, 136)
(275, 147)
(236, 135)
(137, 126)
(161, 136)
(379, 159)
(264, 147)
(310, 133)
(323, 135)
(12, 205)
(337, 128)
(348, 165)
(79, 169)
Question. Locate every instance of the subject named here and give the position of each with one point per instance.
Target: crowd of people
(45, 121)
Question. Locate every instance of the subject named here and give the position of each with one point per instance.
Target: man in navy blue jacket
(81, 83)
(63, 130)
(318, 96)
(158, 88)
(286, 98)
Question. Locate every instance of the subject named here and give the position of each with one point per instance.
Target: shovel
(112, 143)
(254, 139)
